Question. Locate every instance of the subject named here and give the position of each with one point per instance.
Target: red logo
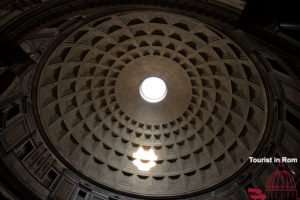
(280, 186)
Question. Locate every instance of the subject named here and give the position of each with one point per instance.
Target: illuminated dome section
(210, 112)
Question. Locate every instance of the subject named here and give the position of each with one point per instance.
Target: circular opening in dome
(153, 90)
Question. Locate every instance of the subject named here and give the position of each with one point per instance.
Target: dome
(281, 186)
(211, 119)
(136, 100)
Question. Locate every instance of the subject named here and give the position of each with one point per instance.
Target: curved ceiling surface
(213, 117)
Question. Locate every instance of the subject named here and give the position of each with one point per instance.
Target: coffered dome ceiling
(213, 117)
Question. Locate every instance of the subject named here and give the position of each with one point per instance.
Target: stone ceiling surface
(212, 119)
